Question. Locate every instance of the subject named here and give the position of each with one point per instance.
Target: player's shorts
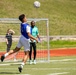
(24, 42)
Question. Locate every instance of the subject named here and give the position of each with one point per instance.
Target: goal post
(43, 51)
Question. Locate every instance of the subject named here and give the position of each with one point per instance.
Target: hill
(61, 14)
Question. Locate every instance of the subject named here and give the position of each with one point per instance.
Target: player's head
(32, 24)
(8, 30)
(22, 18)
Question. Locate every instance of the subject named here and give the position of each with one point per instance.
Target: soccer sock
(22, 64)
(6, 55)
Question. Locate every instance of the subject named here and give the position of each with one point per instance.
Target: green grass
(61, 14)
(43, 45)
(55, 66)
(63, 44)
(4, 27)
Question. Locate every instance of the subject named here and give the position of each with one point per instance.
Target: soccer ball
(37, 4)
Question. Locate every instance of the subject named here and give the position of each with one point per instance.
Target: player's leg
(10, 43)
(24, 61)
(19, 45)
(8, 46)
(34, 48)
(15, 59)
(30, 53)
(8, 53)
(26, 45)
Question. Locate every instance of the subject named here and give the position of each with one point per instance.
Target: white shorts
(24, 42)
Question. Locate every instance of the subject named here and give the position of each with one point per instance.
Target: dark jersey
(9, 37)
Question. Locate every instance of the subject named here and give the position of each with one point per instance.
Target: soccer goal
(43, 51)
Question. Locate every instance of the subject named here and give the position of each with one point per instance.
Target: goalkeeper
(35, 34)
(23, 41)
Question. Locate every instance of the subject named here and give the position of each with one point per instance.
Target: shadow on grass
(8, 73)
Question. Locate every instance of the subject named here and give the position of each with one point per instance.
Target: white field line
(4, 64)
(43, 69)
(8, 64)
(52, 68)
(62, 60)
(59, 73)
(21, 74)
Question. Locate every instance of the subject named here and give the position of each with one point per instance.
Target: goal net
(43, 53)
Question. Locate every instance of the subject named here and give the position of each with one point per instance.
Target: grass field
(43, 45)
(61, 14)
(56, 66)
(63, 44)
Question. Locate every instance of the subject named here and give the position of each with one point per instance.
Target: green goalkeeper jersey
(34, 32)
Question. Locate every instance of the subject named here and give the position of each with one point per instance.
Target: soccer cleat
(34, 61)
(2, 58)
(20, 69)
(30, 62)
(15, 59)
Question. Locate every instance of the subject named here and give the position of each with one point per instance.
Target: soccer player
(35, 34)
(23, 41)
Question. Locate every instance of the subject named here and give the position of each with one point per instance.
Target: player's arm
(31, 40)
(38, 36)
(37, 32)
(12, 31)
(28, 32)
(6, 40)
(32, 37)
